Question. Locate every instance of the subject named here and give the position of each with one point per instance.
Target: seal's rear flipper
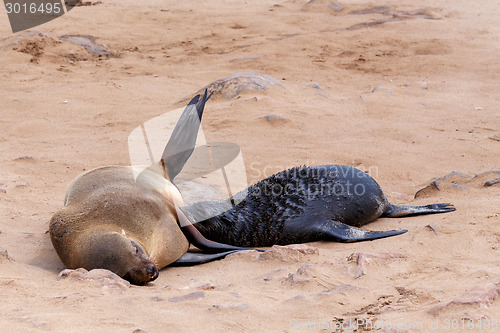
(195, 258)
(402, 211)
(183, 139)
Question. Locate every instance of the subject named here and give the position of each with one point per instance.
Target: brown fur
(115, 222)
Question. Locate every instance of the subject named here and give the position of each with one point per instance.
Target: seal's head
(144, 269)
(121, 255)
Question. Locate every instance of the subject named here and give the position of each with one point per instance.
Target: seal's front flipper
(183, 139)
(305, 229)
(195, 237)
(402, 211)
(342, 232)
(196, 258)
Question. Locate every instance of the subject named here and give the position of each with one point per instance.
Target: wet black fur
(289, 206)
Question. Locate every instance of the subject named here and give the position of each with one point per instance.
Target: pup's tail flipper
(402, 211)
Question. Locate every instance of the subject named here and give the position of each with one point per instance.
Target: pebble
(103, 276)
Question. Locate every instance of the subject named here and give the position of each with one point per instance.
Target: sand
(405, 90)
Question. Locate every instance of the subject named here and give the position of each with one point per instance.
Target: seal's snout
(152, 272)
(146, 272)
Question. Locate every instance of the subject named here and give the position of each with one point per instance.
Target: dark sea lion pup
(304, 204)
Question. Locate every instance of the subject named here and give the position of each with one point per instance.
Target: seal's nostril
(150, 270)
(153, 272)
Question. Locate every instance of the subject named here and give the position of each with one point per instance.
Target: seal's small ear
(183, 139)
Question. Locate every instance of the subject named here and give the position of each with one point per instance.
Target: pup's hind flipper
(402, 211)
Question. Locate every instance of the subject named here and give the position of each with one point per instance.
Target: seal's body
(305, 204)
(112, 221)
(126, 219)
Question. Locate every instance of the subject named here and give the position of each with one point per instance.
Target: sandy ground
(407, 91)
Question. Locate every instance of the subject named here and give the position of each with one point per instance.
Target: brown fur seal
(112, 221)
(129, 225)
